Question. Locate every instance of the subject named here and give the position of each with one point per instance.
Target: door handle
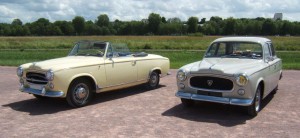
(133, 63)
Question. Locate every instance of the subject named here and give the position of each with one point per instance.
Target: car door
(119, 70)
(275, 67)
(269, 70)
(273, 70)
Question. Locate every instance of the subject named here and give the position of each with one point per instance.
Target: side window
(267, 52)
(272, 49)
(109, 51)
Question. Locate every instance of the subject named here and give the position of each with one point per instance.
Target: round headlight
(49, 75)
(181, 75)
(20, 71)
(242, 79)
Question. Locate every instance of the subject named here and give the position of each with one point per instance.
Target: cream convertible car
(91, 67)
(235, 70)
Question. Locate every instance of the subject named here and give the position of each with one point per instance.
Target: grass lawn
(134, 42)
(291, 60)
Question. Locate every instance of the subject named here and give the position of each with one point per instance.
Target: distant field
(134, 42)
(291, 60)
(18, 50)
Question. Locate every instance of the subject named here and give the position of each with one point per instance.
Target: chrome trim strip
(120, 84)
(35, 80)
(42, 92)
(232, 101)
(135, 60)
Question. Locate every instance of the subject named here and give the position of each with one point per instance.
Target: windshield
(235, 50)
(88, 49)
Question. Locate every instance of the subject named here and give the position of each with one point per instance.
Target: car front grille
(211, 83)
(36, 78)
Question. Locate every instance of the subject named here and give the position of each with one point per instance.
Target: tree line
(153, 25)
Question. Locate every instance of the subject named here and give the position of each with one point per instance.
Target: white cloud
(31, 10)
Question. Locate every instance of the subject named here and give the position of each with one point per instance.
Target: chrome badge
(210, 82)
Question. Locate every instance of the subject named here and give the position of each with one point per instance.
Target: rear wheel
(255, 107)
(153, 80)
(187, 102)
(79, 93)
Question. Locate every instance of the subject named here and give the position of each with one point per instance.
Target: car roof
(260, 40)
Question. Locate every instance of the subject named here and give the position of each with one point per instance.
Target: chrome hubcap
(257, 101)
(80, 93)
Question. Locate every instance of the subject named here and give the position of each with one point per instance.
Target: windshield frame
(89, 48)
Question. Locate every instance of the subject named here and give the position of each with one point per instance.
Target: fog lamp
(241, 91)
(181, 86)
(51, 85)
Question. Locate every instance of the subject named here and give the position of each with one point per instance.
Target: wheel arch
(157, 69)
(88, 77)
(261, 83)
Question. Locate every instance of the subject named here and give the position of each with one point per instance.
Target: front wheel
(255, 107)
(153, 80)
(79, 93)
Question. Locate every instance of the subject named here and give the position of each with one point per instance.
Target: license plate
(37, 87)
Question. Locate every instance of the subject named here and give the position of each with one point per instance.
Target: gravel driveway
(136, 112)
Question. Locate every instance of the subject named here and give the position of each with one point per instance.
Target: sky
(126, 10)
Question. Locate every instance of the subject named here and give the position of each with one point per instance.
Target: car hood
(229, 66)
(66, 62)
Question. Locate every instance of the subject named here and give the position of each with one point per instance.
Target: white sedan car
(235, 70)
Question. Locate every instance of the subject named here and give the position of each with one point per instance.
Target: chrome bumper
(233, 101)
(42, 92)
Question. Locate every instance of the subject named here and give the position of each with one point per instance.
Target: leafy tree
(202, 20)
(174, 20)
(65, 27)
(92, 29)
(39, 27)
(154, 22)
(286, 28)
(16, 22)
(102, 20)
(163, 20)
(192, 24)
(216, 19)
(229, 28)
(79, 24)
(268, 27)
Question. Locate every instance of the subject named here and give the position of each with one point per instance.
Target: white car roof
(260, 40)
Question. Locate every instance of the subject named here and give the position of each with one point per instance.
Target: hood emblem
(210, 82)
